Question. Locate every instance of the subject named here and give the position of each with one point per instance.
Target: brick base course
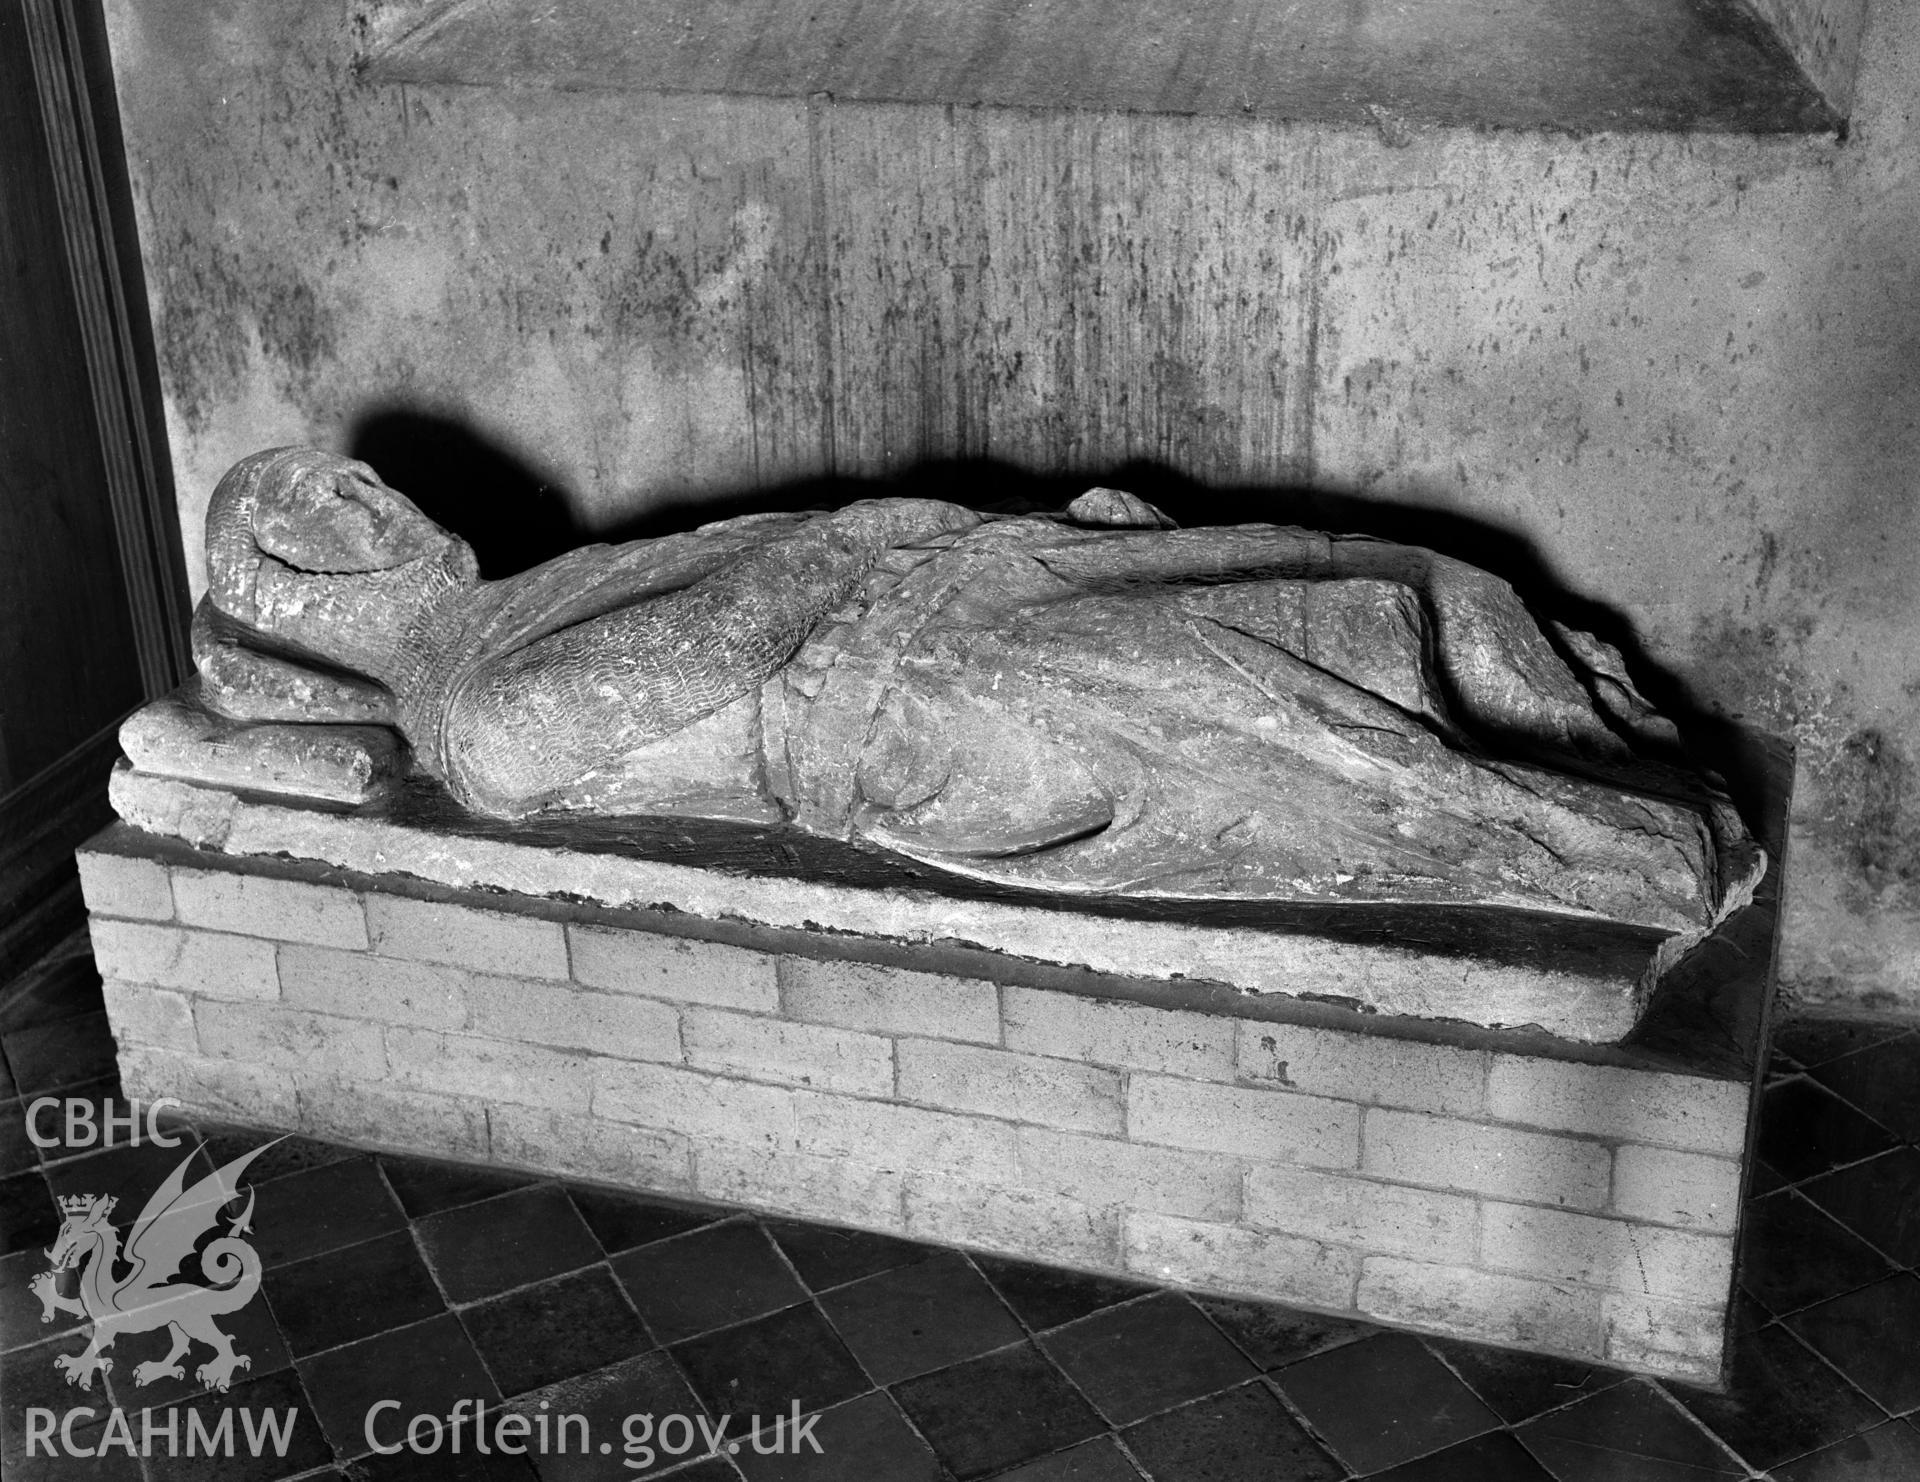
(1581, 1209)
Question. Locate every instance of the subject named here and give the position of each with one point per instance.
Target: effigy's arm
(266, 722)
(242, 682)
(523, 726)
(1504, 677)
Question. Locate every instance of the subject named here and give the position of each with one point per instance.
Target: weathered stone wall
(1824, 38)
(1679, 375)
(1583, 1209)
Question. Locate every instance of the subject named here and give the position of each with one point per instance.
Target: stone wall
(1824, 38)
(1579, 1208)
(1675, 376)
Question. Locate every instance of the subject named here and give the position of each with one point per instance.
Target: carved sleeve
(535, 720)
(242, 682)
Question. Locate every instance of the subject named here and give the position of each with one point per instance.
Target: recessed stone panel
(1574, 64)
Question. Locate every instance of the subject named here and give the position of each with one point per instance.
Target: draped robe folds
(1239, 713)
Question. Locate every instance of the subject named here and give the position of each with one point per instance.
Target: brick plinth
(1477, 1188)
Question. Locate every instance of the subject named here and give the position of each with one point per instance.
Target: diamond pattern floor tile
(61, 1054)
(1628, 1430)
(1879, 1080)
(21, 1313)
(1045, 1298)
(341, 1296)
(1276, 1336)
(18, 1153)
(621, 1223)
(129, 1174)
(481, 1249)
(604, 1399)
(1796, 1255)
(1384, 1401)
(63, 985)
(1887, 1453)
(867, 1437)
(1873, 1337)
(765, 1366)
(1490, 1458)
(827, 1258)
(1098, 1460)
(427, 1188)
(469, 1466)
(996, 1411)
(424, 1369)
(554, 1330)
(282, 1155)
(1244, 1435)
(920, 1317)
(257, 1338)
(29, 1218)
(322, 1209)
(708, 1279)
(1518, 1386)
(1879, 1200)
(29, 1381)
(1782, 1401)
(1143, 1357)
(1805, 1129)
(1813, 1042)
(276, 1397)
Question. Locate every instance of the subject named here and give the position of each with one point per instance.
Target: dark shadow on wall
(478, 488)
(474, 486)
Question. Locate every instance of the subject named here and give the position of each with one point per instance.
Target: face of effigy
(335, 515)
(315, 551)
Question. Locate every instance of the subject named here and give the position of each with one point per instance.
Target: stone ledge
(1585, 984)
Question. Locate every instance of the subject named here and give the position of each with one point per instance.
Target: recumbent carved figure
(1085, 703)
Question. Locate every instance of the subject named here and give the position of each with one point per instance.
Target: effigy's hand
(1118, 508)
(896, 522)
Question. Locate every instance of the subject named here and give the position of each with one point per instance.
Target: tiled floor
(391, 1279)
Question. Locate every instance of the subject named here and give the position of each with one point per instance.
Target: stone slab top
(1565, 986)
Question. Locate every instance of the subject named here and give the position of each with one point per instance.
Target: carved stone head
(293, 513)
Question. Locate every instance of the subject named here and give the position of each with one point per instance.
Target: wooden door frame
(45, 817)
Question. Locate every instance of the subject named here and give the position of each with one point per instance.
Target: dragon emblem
(149, 1295)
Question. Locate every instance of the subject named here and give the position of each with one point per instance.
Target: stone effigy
(1091, 704)
(1279, 914)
